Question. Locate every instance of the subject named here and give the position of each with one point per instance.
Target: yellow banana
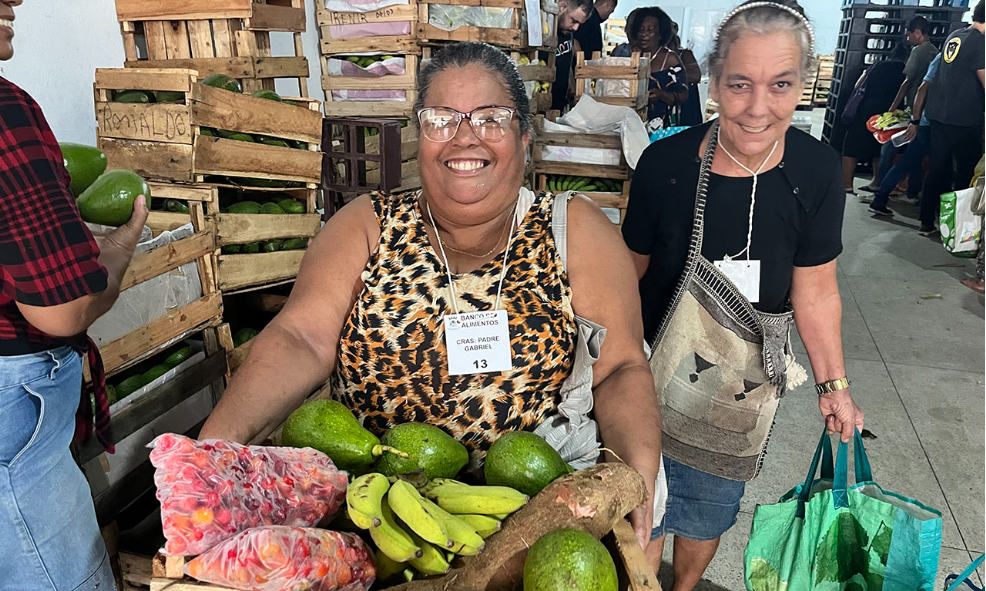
(432, 561)
(499, 516)
(409, 506)
(387, 568)
(391, 538)
(466, 541)
(482, 500)
(484, 525)
(361, 520)
(366, 492)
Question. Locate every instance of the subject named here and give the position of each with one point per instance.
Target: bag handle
(559, 224)
(964, 576)
(840, 475)
(823, 452)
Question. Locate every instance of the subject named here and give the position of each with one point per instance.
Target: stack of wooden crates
(823, 82)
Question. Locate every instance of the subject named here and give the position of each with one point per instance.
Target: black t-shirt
(956, 95)
(563, 71)
(590, 34)
(797, 220)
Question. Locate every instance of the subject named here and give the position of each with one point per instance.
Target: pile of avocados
(273, 204)
(103, 196)
(124, 384)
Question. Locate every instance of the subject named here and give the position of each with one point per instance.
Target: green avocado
(111, 395)
(110, 199)
(270, 141)
(298, 145)
(222, 81)
(271, 208)
(83, 163)
(243, 335)
(294, 244)
(291, 206)
(569, 560)
(129, 386)
(207, 131)
(251, 247)
(134, 96)
(235, 135)
(154, 373)
(272, 245)
(430, 449)
(178, 357)
(330, 427)
(266, 94)
(524, 461)
(232, 248)
(169, 96)
(245, 207)
(175, 206)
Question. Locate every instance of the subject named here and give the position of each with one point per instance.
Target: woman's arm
(297, 351)
(604, 290)
(818, 314)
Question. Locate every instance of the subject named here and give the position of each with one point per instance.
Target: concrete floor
(914, 347)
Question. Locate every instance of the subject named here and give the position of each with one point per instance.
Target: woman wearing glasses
(452, 305)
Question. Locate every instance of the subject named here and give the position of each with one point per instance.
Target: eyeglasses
(440, 124)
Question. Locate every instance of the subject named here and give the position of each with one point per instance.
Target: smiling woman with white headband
(734, 225)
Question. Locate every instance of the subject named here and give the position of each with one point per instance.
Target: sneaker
(927, 231)
(867, 198)
(868, 189)
(906, 200)
(882, 212)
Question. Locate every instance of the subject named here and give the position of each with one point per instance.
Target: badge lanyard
(476, 342)
(745, 275)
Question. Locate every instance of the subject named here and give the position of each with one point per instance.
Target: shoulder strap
(559, 224)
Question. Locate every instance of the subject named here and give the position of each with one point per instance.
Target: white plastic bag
(449, 17)
(360, 5)
(589, 116)
(960, 225)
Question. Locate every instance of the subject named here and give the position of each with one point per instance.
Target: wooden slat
(638, 568)
(173, 78)
(241, 270)
(238, 228)
(171, 567)
(391, 43)
(511, 38)
(281, 67)
(161, 330)
(165, 221)
(204, 193)
(222, 38)
(369, 108)
(389, 14)
(539, 73)
(166, 258)
(176, 40)
(246, 43)
(402, 82)
(152, 405)
(271, 17)
(221, 109)
(189, 585)
(579, 140)
(233, 158)
(135, 569)
(489, 3)
(200, 39)
(234, 67)
(157, 49)
(170, 123)
(155, 160)
(579, 169)
(239, 355)
(134, 10)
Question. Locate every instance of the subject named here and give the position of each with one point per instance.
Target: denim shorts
(700, 506)
(49, 538)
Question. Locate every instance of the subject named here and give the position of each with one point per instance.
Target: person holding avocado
(55, 280)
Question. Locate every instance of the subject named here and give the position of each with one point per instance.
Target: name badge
(477, 342)
(745, 275)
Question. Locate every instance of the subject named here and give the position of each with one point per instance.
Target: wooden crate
(165, 573)
(229, 37)
(544, 71)
(606, 200)
(514, 37)
(637, 74)
(406, 82)
(163, 141)
(542, 139)
(386, 44)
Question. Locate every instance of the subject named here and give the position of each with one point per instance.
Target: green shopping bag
(823, 535)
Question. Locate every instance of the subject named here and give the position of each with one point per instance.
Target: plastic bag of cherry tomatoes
(281, 558)
(211, 490)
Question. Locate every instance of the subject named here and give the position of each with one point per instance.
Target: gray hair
(764, 18)
(460, 55)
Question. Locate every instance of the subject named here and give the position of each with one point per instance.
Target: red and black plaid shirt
(47, 254)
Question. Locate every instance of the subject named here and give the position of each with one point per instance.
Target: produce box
(609, 194)
(614, 80)
(537, 69)
(370, 86)
(498, 22)
(578, 154)
(386, 30)
(180, 140)
(229, 37)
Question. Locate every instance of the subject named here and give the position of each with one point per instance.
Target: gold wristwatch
(832, 386)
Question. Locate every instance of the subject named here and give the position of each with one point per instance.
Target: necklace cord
(753, 194)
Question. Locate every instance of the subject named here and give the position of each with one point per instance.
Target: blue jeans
(909, 164)
(700, 506)
(49, 538)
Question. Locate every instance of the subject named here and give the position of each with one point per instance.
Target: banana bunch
(542, 87)
(413, 532)
(559, 183)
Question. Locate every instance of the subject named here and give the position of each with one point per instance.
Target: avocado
(266, 94)
(83, 163)
(232, 248)
(251, 247)
(294, 244)
(271, 208)
(222, 81)
(524, 461)
(111, 395)
(175, 206)
(169, 96)
(298, 145)
(134, 96)
(235, 135)
(330, 427)
(243, 335)
(110, 199)
(207, 131)
(270, 141)
(291, 206)
(569, 560)
(154, 373)
(178, 357)
(245, 207)
(272, 245)
(129, 386)
(430, 449)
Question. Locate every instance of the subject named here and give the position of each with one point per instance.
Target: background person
(589, 35)
(54, 282)
(651, 32)
(571, 15)
(790, 221)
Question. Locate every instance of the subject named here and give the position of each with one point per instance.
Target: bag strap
(559, 224)
(963, 577)
(823, 452)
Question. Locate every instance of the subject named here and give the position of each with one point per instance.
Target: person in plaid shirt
(55, 280)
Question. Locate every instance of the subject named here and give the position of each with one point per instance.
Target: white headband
(788, 9)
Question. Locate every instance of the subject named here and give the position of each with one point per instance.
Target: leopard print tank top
(393, 367)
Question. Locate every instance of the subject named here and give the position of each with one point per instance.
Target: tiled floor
(914, 344)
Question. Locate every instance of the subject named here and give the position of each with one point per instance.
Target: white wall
(58, 45)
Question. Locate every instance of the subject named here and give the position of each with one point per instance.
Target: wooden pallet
(330, 44)
(229, 37)
(542, 139)
(605, 200)
(512, 38)
(163, 141)
(406, 82)
(636, 73)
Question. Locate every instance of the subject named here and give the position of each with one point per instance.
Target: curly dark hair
(665, 26)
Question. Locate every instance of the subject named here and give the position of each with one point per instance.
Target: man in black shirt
(571, 15)
(955, 111)
(590, 34)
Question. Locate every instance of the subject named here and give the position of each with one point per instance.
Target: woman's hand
(911, 132)
(840, 413)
